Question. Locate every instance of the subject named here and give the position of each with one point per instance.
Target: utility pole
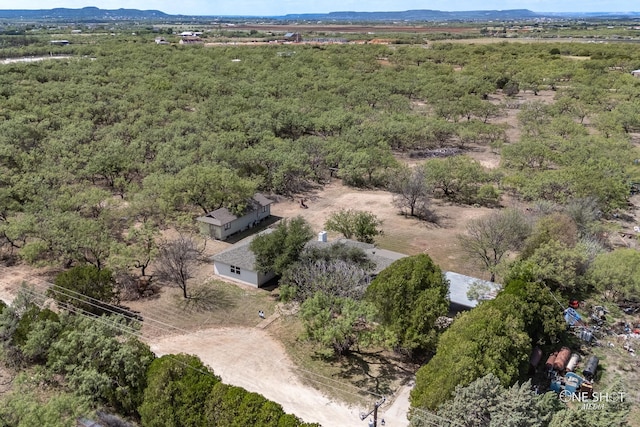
(374, 411)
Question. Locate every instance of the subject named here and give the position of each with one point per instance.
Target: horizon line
(335, 11)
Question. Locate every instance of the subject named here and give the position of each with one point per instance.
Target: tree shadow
(205, 298)
(428, 217)
(377, 372)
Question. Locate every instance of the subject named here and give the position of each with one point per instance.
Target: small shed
(635, 73)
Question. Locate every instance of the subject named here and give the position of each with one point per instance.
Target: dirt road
(250, 358)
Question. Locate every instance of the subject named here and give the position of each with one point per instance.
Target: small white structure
(635, 73)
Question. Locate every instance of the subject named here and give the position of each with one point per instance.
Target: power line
(337, 381)
(374, 411)
(114, 325)
(163, 327)
(135, 332)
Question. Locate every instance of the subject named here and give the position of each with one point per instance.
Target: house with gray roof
(293, 37)
(237, 263)
(222, 223)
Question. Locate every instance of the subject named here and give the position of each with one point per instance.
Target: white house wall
(246, 276)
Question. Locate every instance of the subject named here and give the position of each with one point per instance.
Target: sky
(283, 7)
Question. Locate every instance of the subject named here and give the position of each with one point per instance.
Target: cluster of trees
(565, 247)
(352, 224)
(457, 179)
(556, 253)
(153, 134)
(76, 365)
(146, 136)
(182, 391)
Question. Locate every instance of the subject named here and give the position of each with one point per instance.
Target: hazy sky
(282, 7)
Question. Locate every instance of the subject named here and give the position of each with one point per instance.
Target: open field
(362, 29)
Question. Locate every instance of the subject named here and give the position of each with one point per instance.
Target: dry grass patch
(213, 304)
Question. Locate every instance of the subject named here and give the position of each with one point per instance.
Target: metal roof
(241, 256)
(459, 285)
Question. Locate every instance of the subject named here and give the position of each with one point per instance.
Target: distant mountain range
(84, 14)
(88, 14)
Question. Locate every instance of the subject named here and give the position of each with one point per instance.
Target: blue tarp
(571, 316)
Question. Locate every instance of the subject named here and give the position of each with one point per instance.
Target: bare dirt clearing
(401, 234)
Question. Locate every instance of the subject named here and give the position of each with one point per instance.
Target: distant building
(293, 37)
(191, 40)
(635, 73)
(60, 42)
(161, 40)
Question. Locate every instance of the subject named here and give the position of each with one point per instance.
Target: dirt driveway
(252, 359)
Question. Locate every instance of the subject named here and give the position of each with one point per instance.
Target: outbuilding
(222, 223)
